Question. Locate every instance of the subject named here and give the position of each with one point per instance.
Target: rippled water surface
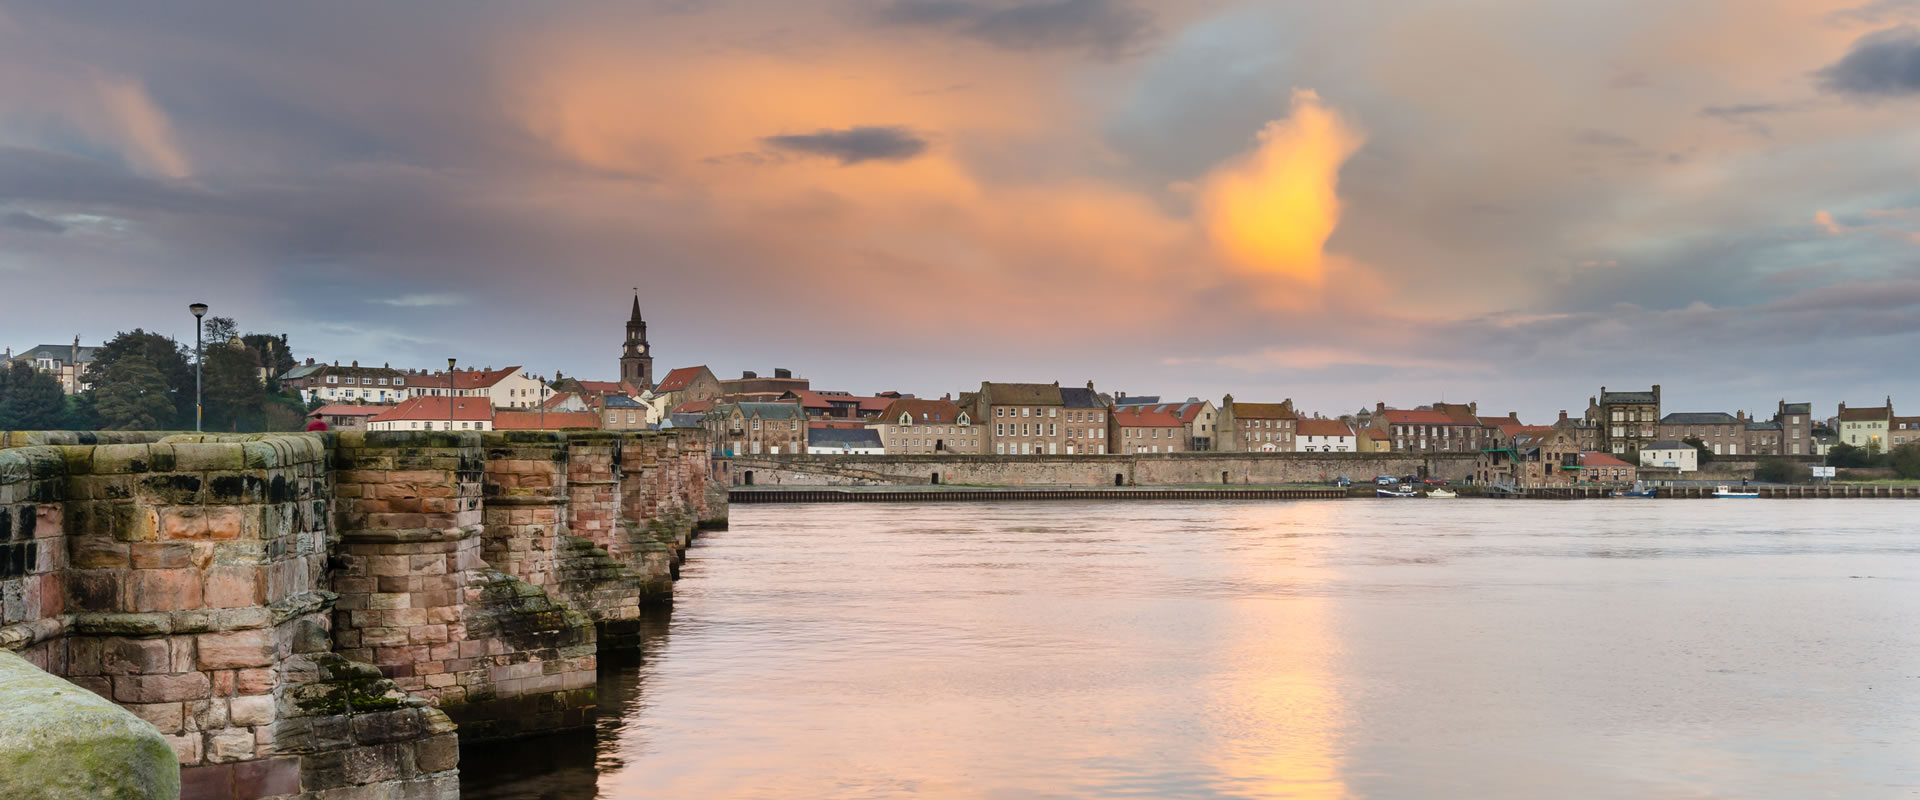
(1482, 649)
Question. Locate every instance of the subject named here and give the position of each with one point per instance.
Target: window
(999, 429)
(399, 381)
(333, 379)
(1026, 412)
(756, 424)
(1000, 449)
(613, 417)
(998, 412)
(1053, 412)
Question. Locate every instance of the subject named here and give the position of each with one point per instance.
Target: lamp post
(199, 358)
(449, 394)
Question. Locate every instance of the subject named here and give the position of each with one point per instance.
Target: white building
(844, 442)
(1670, 454)
(1324, 436)
(504, 388)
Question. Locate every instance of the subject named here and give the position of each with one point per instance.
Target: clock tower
(636, 362)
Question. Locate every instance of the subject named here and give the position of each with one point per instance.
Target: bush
(1780, 470)
(1905, 460)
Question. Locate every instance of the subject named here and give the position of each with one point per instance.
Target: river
(1318, 649)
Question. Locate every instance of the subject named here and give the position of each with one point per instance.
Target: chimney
(386, 365)
(1563, 415)
(1089, 383)
(1379, 408)
(1656, 394)
(781, 372)
(356, 364)
(309, 361)
(747, 375)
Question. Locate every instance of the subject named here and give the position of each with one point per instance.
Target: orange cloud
(141, 127)
(1270, 211)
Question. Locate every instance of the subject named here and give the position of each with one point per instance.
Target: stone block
(168, 718)
(163, 590)
(233, 587)
(438, 753)
(271, 777)
(208, 715)
(251, 710)
(119, 656)
(229, 746)
(236, 649)
(161, 688)
(207, 782)
(161, 555)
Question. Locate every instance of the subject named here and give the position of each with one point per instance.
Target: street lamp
(199, 358)
(449, 394)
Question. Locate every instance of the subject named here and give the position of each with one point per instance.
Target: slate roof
(1074, 397)
(844, 437)
(1024, 394)
(301, 371)
(1627, 397)
(1800, 408)
(1763, 426)
(58, 352)
(1668, 444)
(1700, 418)
(925, 412)
(621, 401)
(677, 420)
(1139, 400)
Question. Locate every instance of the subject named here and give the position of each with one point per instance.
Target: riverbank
(957, 494)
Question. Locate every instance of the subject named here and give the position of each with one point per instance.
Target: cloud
(1746, 115)
(147, 131)
(1875, 12)
(421, 300)
(1881, 64)
(21, 220)
(1270, 211)
(1104, 27)
(853, 145)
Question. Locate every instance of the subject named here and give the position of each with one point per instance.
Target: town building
(912, 426)
(1146, 429)
(1324, 436)
(347, 416)
(1040, 418)
(1584, 430)
(1534, 459)
(742, 429)
(1371, 440)
(839, 405)
(66, 362)
(750, 387)
(333, 383)
(565, 401)
(636, 358)
(1086, 420)
(1796, 428)
(1670, 454)
(1439, 428)
(508, 388)
(1724, 434)
(1596, 467)
(435, 414)
(1627, 420)
(1763, 438)
(682, 386)
(1865, 427)
(544, 420)
(1902, 430)
(618, 412)
(1256, 427)
(844, 441)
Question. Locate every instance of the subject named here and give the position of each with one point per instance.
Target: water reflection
(1267, 650)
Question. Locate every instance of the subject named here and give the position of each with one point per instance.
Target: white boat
(1442, 493)
(1744, 493)
(1403, 491)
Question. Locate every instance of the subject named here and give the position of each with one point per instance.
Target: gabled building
(685, 385)
(1146, 429)
(1865, 427)
(1440, 428)
(912, 426)
(1085, 416)
(1627, 420)
(509, 388)
(1324, 436)
(1256, 427)
(66, 362)
(1534, 459)
(743, 429)
(333, 383)
(618, 412)
(1902, 430)
(1583, 429)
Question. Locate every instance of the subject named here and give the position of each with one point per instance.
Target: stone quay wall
(327, 615)
(1161, 469)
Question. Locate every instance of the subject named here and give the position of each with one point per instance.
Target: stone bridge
(1146, 469)
(317, 615)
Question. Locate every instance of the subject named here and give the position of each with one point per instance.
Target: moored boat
(1744, 493)
(1403, 491)
(1639, 490)
(1442, 493)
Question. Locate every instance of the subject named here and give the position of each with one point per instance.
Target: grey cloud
(1746, 115)
(1107, 28)
(1875, 12)
(1600, 138)
(854, 145)
(21, 220)
(1881, 64)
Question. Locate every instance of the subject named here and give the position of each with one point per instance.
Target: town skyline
(1267, 199)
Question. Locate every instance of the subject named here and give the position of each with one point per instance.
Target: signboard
(1823, 472)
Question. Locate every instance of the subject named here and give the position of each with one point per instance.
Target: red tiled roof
(1321, 427)
(1594, 459)
(348, 410)
(875, 404)
(678, 379)
(1263, 411)
(557, 399)
(693, 407)
(1874, 414)
(550, 421)
(463, 379)
(1399, 417)
(1145, 417)
(605, 387)
(813, 399)
(435, 408)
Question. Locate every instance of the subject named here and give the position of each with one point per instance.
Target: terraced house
(1865, 427)
(1796, 428)
(912, 426)
(1257, 427)
(1041, 418)
(1440, 428)
(1147, 429)
(1626, 421)
(757, 428)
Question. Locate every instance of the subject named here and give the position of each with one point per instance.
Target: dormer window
(906, 419)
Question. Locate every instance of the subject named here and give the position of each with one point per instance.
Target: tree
(272, 352)
(219, 330)
(232, 394)
(1847, 455)
(30, 400)
(133, 396)
(1905, 460)
(164, 355)
(1706, 453)
(1779, 470)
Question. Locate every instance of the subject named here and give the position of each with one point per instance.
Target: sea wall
(1164, 469)
(312, 615)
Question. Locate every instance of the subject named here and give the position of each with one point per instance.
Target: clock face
(643, 349)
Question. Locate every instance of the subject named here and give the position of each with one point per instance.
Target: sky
(1405, 201)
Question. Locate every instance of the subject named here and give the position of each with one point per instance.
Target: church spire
(636, 306)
